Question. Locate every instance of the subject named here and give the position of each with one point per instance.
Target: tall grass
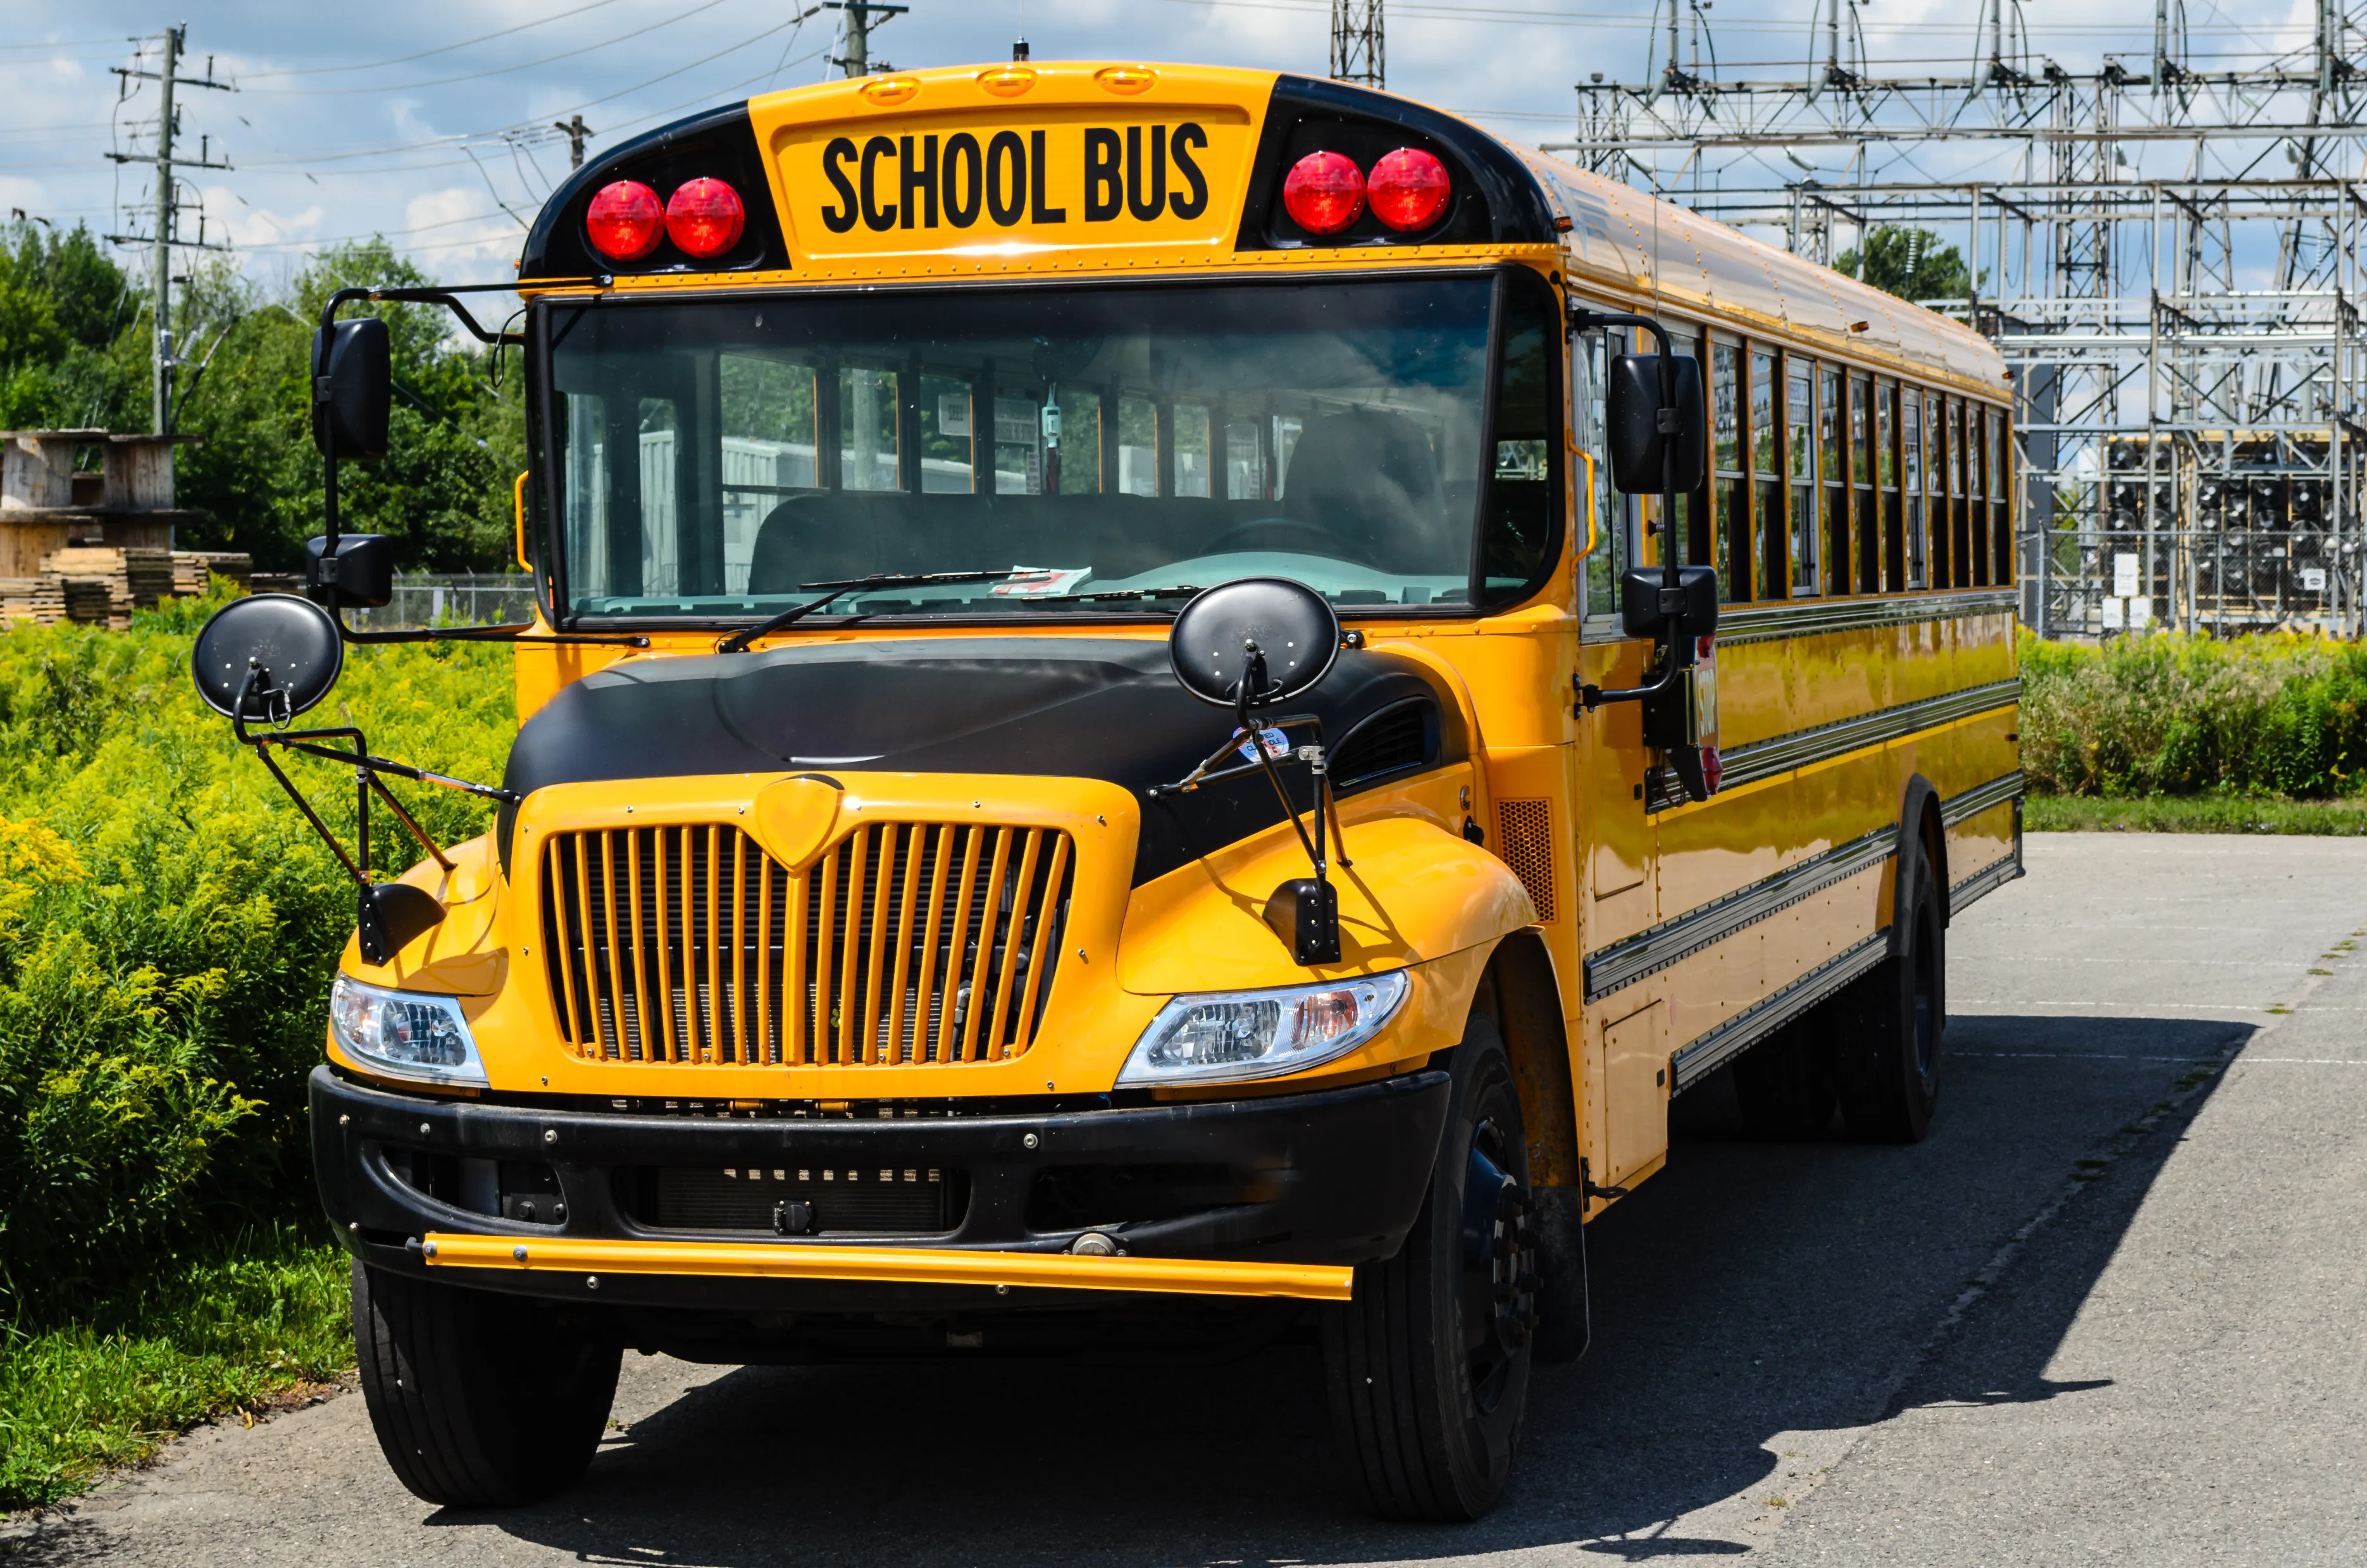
(2276, 715)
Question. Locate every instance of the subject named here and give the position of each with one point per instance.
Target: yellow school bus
(1169, 705)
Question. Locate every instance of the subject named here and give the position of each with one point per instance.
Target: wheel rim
(1499, 1277)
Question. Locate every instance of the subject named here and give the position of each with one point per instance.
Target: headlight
(1262, 1034)
(403, 1033)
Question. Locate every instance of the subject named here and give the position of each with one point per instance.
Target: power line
(496, 70)
(429, 53)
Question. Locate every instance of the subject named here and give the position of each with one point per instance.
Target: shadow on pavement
(1750, 1290)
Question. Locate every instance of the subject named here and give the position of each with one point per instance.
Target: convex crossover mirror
(1657, 445)
(1253, 642)
(282, 653)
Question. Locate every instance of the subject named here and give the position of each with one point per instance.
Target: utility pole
(1357, 54)
(163, 240)
(857, 61)
(575, 130)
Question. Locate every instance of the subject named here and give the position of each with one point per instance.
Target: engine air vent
(1524, 838)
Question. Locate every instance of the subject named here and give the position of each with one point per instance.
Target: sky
(431, 122)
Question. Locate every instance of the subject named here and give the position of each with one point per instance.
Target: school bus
(883, 950)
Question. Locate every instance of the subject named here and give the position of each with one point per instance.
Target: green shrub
(169, 929)
(2279, 714)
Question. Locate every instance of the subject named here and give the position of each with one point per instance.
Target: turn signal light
(703, 217)
(1324, 192)
(1409, 189)
(626, 220)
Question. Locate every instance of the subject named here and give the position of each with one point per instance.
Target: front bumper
(1329, 1178)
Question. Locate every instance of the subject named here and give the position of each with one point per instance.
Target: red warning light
(1324, 192)
(705, 217)
(626, 220)
(1409, 189)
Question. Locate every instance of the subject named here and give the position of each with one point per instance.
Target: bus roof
(1086, 167)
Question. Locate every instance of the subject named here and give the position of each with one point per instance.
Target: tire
(1889, 1054)
(1428, 1366)
(478, 1400)
(1784, 1085)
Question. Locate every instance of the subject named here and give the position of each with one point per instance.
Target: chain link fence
(458, 598)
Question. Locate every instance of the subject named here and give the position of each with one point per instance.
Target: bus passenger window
(1190, 449)
(946, 436)
(1245, 464)
(1831, 454)
(2001, 492)
(1869, 521)
(1138, 447)
(1911, 478)
(867, 454)
(1727, 475)
(1800, 431)
(1072, 442)
(1885, 485)
(1962, 560)
(1767, 467)
(768, 448)
(1018, 445)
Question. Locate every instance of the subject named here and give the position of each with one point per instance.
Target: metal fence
(463, 599)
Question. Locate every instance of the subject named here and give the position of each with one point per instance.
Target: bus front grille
(908, 942)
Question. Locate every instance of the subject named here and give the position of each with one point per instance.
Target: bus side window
(1800, 436)
(1726, 474)
(1767, 470)
(1911, 478)
(1590, 350)
(1832, 482)
(2001, 491)
(1520, 533)
(1885, 485)
(1191, 443)
(1869, 521)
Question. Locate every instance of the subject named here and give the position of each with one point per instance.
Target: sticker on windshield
(1276, 744)
(1038, 582)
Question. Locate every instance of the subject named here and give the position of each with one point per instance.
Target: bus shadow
(1751, 1291)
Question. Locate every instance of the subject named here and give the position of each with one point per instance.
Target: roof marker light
(1324, 192)
(1409, 189)
(626, 220)
(705, 217)
(1126, 81)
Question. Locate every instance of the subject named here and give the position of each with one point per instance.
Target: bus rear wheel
(1428, 1366)
(478, 1400)
(1889, 1058)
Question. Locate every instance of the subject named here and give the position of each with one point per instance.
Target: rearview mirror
(284, 653)
(360, 570)
(352, 383)
(1656, 448)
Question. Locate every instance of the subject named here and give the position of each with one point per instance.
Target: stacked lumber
(98, 584)
(149, 574)
(31, 601)
(192, 568)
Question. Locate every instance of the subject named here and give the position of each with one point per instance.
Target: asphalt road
(2110, 1309)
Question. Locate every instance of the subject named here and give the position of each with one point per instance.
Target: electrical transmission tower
(164, 235)
(2166, 257)
(1357, 54)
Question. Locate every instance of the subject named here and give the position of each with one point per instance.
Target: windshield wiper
(738, 642)
(1106, 595)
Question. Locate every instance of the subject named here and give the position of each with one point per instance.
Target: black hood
(1100, 708)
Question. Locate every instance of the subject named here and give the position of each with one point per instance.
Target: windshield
(1140, 440)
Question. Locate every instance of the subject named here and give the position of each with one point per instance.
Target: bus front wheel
(1889, 1066)
(478, 1400)
(1428, 1366)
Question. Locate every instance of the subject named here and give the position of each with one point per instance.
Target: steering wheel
(1316, 540)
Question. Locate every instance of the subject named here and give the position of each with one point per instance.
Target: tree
(1910, 263)
(456, 439)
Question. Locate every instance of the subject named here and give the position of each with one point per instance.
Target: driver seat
(1368, 478)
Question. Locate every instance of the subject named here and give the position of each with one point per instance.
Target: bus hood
(1094, 707)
